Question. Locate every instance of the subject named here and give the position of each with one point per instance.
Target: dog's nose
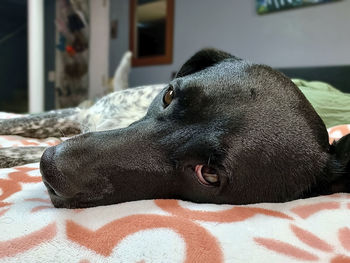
(48, 168)
(54, 180)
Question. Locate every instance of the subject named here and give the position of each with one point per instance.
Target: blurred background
(58, 53)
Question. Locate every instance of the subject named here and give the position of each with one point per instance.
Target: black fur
(247, 123)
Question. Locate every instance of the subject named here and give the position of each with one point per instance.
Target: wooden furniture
(151, 31)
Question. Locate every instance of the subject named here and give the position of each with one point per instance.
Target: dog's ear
(203, 59)
(337, 178)
(341, 153)
(341, 149)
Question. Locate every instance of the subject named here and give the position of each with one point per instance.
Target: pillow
(331, 104)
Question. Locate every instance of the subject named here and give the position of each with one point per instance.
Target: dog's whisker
(209, 160)
(61, 131)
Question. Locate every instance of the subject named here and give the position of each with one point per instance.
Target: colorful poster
(266, 6)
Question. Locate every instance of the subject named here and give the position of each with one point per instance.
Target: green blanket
(331, 104)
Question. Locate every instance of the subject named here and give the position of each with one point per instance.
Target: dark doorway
(13, 56)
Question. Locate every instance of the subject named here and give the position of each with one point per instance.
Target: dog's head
(223, 131)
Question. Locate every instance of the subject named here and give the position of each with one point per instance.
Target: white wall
(318, 35)
(99, 46)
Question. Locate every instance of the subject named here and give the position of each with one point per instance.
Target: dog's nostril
(50, 190)
(47, 162)
(48, 168)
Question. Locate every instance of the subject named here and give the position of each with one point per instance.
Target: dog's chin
(72, 203)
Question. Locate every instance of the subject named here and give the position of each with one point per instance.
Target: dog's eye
(211, 178)
(168, 96)
(207, 175)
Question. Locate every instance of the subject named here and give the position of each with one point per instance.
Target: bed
(32, 230)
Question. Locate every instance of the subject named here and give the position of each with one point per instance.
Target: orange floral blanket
(32, 230)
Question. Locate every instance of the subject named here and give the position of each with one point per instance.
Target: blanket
(32, 230)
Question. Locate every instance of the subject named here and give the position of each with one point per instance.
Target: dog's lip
(59, 201)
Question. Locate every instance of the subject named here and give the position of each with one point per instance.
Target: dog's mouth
(207, 175)
(78, 201)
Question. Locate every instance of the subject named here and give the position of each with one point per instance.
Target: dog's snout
(56, 183)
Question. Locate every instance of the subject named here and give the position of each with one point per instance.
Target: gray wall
(119, 10)
(318, 35)
(50, 49)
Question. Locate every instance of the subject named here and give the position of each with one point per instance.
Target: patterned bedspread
(32, 230)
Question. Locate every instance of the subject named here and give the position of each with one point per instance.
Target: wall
(99, 46)
(119, 9)
(318, 35)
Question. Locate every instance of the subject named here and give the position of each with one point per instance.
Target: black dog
(223, 131)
